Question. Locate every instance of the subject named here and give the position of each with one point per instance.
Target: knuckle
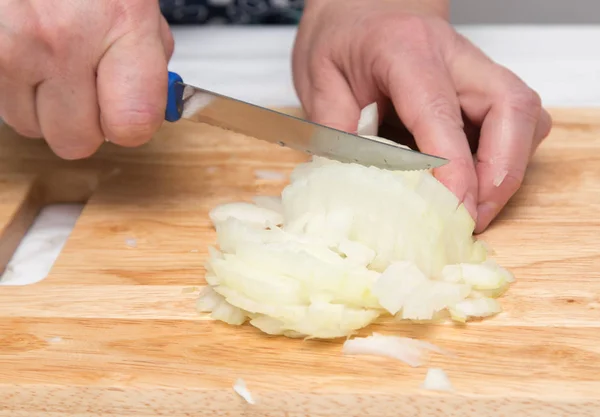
(414, 32)
(462, 164)
(128, 13)
(133, 127)
(519, 96)
(411, 27)
(439, 109)
(442, 108)
(318, 62)
(382, 31)
(169, 43)
(527, 101)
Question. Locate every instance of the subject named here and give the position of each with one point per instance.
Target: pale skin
(78, 72)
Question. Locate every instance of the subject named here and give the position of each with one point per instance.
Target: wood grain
(112, 331)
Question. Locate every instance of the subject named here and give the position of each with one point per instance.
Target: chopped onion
(383, 140)
(242, 390)
(437, 380)
(356, 252)
(269, 202)
(368, 124)
(396, 284)
(480, 307)
(484, 276)
(344, 245)
(246, 212)
(211, 302)
(208, 300)
(410, 351)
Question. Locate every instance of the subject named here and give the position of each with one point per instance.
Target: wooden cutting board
(113, 331)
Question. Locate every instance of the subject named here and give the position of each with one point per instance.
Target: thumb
(132, 86)
(331, 101)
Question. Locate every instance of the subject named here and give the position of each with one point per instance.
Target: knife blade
(204, 106)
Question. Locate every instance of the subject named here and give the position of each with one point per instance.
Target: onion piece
(269, 202)
(384, 140)
(246, 212)
(214, 303)
(396, 284)
(480, 307)
(431, 297)
(242, 390)
(208, 300)
(410, 351)
(484, 276)
(229, 314)
(368, 123)
(437, 380)
(356, 252)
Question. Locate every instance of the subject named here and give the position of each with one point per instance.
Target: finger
(330, 100)
(167, 38)
(542, 130)
(510, 113)
(68, 114)
(504, 152)
(17, 108)
(132, 80)
(425, 100)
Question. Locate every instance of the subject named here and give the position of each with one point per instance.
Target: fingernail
(470, 204)
(487, 211)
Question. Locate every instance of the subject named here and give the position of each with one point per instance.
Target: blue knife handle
(174, 98)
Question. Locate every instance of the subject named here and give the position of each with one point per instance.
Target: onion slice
(410, 351)
(246, 212)
(242, 390)
(368, 123)
(437, 380)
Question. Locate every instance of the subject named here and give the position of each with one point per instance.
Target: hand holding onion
(350, 53)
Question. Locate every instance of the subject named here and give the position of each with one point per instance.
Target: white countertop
(561, 62)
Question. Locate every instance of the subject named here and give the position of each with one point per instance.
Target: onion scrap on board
(344, 245)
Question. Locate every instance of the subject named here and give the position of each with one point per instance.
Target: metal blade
(228, 113)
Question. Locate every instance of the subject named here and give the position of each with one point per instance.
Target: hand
(77, 72)
(350, 53)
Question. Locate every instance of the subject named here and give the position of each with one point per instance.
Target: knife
(200, 105)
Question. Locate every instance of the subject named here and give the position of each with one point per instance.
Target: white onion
(344, 245)
(246, 212)
(211, 302)
(242, 390)
(410, 351)
(356, 252)
(269, 202)
(437, 380)
(396, 284)
(368, 124)
(480, 307)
